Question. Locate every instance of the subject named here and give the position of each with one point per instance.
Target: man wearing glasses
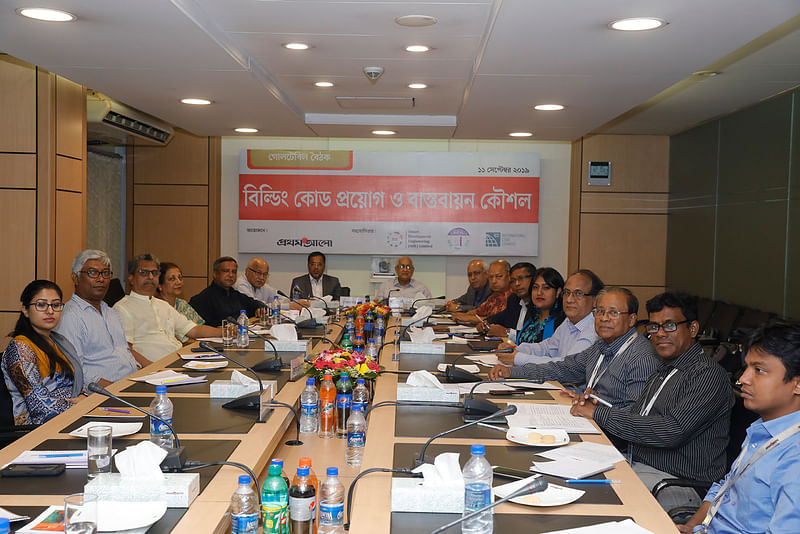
(499, 283)
(316, 283)
(517, 304)
(403, 284)
(93, 328)
(253, 281)
(678, 427)
(478, 290)
(220, 299)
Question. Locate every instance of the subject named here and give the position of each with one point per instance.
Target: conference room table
(395, 434)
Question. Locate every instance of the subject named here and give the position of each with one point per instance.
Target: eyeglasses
(519, 279)
(94, 273)
(146, 272)
(668, 326)
(405, 267)
(497, 276)
(612, 314)
(578, 294)
(258, 273)
(42, 305)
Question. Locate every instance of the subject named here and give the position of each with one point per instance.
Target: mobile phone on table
(32, 470)
(510, 472)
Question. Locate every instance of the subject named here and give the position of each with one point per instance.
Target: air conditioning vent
(137, 127)
(110, 121)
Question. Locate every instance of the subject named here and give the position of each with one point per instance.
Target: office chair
(9, 432)
(115, 292)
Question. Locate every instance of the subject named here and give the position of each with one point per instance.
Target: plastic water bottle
(327, 407)
(302, 503)
(161, 406)
(358, 344)
(331, 504)
(344, 402)
(478, 493)
(243, 338)
(356, 437)
(296, 292)
(275, 310)
(275, 502)
(244, 508)
(361, 396)
(380, 330)
(350, 326)
(309, 408)
(372, 350)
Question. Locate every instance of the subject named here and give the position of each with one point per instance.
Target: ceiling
(492, 60)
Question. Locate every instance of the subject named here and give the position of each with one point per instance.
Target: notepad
(530, 415)
(569, 468)
(170, 378)
(586, 451)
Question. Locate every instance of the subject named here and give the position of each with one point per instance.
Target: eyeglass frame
(663, 326)
(258, 273)
(152, 272)
(612, 314)
(94, 273)
(578, 293)
(41, 306)
(404, 267)
(520, 279)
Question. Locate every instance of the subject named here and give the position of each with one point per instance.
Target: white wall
(443, 274)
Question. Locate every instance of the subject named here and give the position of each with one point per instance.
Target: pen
(594, 481)
(181, 379)
(71, 455)
(493, 427)
(601, 401)
(116, 410)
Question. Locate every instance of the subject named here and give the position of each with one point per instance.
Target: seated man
(93, 328)
(574, 335)
(152, 326)
(678, 427)
(499, 276)
(517, 305)
(403, 285)
(478, 290)
(615, 368)
(220, 300)
(760, 493)
(253, 282)
(316, 283)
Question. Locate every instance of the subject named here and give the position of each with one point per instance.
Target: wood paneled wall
(42, 180)
(620, 232)
(173, 205)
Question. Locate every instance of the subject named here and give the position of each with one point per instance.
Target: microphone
(325, 302)
(539, 483)
(456, 375)
(267, 366)
(389, 293)
(176, 456)
(307, 323)
(510, 410)
(429, 298)
(246, 402)
(396, 354)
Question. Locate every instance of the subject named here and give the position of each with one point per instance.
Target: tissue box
(177, 489)
(225, 389)
(450, 393)
(409, 495)
(421, 348)
(301, 345)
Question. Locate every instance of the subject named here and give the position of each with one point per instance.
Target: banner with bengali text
(346, 202)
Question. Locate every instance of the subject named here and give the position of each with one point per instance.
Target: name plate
(421, 348)
(297, 368)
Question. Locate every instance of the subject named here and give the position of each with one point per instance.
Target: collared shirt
(98, 338)
(152, 326)
(766, 497)
(569, 338)
(523, 314)
(472, 299)
(494, 304)
(264, 293)
(686, 430)
(316, 286)
(216, 303)
(622, 376)
(409, 291)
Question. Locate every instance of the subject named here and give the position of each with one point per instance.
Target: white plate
(117, 429)
(205, 365)
(113, 515)
(520, 435)
(553, 496)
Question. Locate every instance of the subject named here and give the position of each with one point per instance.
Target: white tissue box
(421, 348)
(450, 393)
(409, 495)
(225, 389)
(301, 345)
(177, 489)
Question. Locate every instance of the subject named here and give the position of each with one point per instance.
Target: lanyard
(594, 379)
(736, 472)
(646, 409)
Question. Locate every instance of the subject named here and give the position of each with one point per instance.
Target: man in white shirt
(253, 281)
(153, 327)
(403, 285)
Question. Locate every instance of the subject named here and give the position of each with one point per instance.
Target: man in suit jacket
(316, 283)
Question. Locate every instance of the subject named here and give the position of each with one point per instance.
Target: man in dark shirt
(678, 427)
(478, 290)
(219, 300)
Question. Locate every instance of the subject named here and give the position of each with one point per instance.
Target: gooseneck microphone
(510, 410)
(428, 298)
(245, 401)
(176, 456)
(325, 302)
(307, 323)
(455, 375)
(267, 366)
(534, 486)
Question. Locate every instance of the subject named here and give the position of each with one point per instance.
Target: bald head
(477, 274)
(404, 269)
(257, 272)
(499, 276)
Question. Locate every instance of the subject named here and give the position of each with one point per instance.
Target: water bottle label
(359, 405)
(157, 427)
(309, 410)
(344, 401)
(302, 508)
(477, 496)
(244, 523)
(356, 439)
(331, 514)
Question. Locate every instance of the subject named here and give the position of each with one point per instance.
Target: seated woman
(170, 285)
(40, 367)
(548, 312)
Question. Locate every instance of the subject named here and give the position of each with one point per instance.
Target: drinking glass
(228, 333)
(80, 514)
(98, 447)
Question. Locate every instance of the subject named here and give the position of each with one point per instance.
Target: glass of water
(80, 514)
(98, 448)
(228, 333)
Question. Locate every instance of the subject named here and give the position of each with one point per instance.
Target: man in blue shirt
(761, 493)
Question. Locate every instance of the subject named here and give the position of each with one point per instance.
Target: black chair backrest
(345, 291)
(115, 292)
(705, 307)
(723, 319)
(6, 406)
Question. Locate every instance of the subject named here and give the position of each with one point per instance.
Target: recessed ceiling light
(549, 107)
(383, 132)
(521, 134)
(417, 48)
(196, 101)
(246, 130)
(637, 24)
(296, 46)
(47, 15)
(417, 86)
(324, 84)
(416, 21)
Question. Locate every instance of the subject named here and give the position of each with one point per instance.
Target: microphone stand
(244, 400)
(176, 456)
(325, 302)
(456, 375)
(352, 487)
(396, 354)
(475, 407)
(534, 486)
(267, 366)
(429, 298)
(310, 315)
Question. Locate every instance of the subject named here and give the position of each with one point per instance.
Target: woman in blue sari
(547, 311)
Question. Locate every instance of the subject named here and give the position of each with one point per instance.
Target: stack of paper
(468, 368)
(489, 360)
(530, 415)
(463, 330)
(70, 458)
(586, 451)
(12, 516)
(612, 527)
(170, 378)
(569, 468)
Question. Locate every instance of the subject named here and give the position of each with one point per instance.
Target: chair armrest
(682, 483)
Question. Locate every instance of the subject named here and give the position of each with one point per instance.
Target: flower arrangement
(355, 364)
(366, 307)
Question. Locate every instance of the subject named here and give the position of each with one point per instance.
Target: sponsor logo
(458, 238)
(493, 239)
(304, 242)
(394, 239)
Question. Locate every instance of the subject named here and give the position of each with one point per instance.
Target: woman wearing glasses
(40, 367)
(170, 285)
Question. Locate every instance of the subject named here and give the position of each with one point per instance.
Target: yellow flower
(363, 369)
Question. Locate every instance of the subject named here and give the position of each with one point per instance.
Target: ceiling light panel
(46, 15)
(637, 24)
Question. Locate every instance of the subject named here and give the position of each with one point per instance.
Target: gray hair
(631, 300)
(89, 254)
(133, 264)
(482, 263)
